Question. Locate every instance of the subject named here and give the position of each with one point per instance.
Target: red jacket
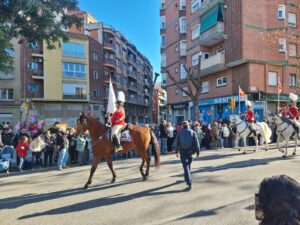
(22, 149)
(117, 116)
(291, 111)
(249, 116)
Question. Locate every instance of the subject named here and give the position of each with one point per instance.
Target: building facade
(159, 103)
(230, 41)
(130, 72)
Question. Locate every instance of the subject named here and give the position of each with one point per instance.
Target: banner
(111, 106)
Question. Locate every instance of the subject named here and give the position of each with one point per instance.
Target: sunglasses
(259, 215)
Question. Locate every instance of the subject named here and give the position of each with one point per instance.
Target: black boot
(117, 144)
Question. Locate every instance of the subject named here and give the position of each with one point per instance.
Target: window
(163, 41)
(118, 48)
(292, 20)
(118, 78)
(33, 87)
(52, 107)
(184, 94)
(221, 81)
(96, 92)
(281, 12)
(195, 58)
(183, 48)
(182, 25)
(163, 60)
(195, 31)
(32, 65)
(205, 87)
(293, 80)
(73, 91)
(220, 50)
(177, 92)
(95, 75)
(72, 49)
(162, 22)
(182, 4)
(195, 5)
(108, 56)
(118, 63)
(74, 70)
(293, 50)
(124, 67)
(32, 44)
(162, 4)
(6, 94)
(95, 56)
(272, 79)
(182, 72)
(282, 45)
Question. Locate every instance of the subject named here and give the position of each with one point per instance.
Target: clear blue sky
(138, 20)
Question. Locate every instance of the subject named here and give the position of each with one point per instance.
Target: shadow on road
(105, 201)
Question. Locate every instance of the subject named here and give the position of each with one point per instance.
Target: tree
(34, 20)
(193, 83)
(151, 88)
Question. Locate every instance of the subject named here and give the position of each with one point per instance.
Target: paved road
(224, 185)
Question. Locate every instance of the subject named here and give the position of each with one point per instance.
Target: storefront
(179, 112)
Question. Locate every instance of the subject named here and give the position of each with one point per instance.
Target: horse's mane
(97, 122)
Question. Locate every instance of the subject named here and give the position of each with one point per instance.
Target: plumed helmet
(248, 103)
(121, 96)
(293, 97)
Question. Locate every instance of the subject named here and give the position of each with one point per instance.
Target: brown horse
(102, 146)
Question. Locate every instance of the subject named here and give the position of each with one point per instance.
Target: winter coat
(22, 149)
(80, 144)
(37, 146)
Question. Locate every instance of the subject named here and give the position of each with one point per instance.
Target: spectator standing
(63, 144)
(179, 127)
(72, 146)
(7, 137)
(22, 148)
(80, 147)
(207, 136)
(170, 140)
(36, 147)
(226, 134)
(19, 135)
(163, 135)
(49, 149)
(187, 144)
(199, 132)
(214, 135)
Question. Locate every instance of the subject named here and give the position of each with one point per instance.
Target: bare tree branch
(177, 84)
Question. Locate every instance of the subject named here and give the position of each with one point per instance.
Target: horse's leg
(256, 143)
(237, 143)
(278, 144)
(286, 147)
(245, 145)
(142, 168)
(296, 145)
(95, 163)
(110, 165)
(148, 165)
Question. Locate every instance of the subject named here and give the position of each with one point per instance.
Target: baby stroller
(6, 158)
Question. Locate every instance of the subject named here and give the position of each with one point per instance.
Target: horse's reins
(100, 138)
(243, 130)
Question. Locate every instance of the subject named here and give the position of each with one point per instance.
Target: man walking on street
(187, 144)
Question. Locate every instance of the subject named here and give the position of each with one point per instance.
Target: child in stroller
(6, 158)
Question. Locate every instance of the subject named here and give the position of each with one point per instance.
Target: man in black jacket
(187, 144)
(7, 137)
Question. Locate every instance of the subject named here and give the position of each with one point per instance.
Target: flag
(111, 107)
(242, 93)
(279, 86)
(232, 104)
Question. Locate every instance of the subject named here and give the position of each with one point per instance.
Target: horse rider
(290, 113)
(249, 117)
(118, 121)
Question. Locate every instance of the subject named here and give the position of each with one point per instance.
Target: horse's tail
(155, 145)
(267, 133)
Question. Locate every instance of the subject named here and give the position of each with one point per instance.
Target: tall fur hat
(293, 97)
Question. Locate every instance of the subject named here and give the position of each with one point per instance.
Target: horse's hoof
(284, 156)
(85, 187)
(294, 153)
(145, 178)
(113, 181)
(239, 150)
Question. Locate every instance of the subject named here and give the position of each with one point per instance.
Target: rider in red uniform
(291, 113)
(118, 121)
(249, 117)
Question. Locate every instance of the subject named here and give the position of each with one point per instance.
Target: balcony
(110, 63)
(133, 87)
(207, 5)
(38, 74)
(212, 36)
(109, 46)
(213, 64)
(133, 75)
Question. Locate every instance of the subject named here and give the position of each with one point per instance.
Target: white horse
(286, 131)
(243, 131)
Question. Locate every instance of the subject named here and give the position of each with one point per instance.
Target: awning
(211, 18)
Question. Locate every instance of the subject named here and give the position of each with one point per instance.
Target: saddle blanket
(125, 136)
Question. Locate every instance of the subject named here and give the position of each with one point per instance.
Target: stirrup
(119, 148)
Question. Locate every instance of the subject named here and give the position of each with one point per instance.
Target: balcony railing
(110, 62)
(213, 64)
(213, 35)
(110, 46)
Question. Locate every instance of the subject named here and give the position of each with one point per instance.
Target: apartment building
(130, 72)
(228, 39)
(159, 103)
(10, 90)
